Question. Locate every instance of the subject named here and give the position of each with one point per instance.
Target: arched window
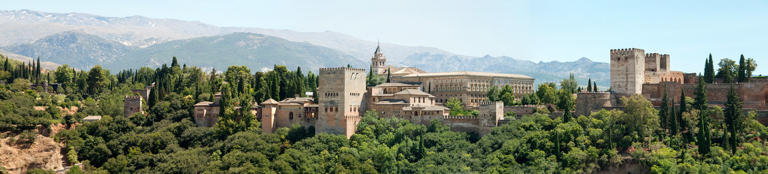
(290, 116)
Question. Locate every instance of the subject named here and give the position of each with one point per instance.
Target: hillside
(76, 49)
(256, 51)
(25, 59)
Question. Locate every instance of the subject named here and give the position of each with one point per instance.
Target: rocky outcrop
(43, 153)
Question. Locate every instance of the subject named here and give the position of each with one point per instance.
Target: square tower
(664, 63)
(652, 62)
(132, 104)
(340, 93)
(627, 70)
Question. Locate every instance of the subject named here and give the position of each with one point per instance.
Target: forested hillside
(166, 140)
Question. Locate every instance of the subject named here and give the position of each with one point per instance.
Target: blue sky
(539, 30)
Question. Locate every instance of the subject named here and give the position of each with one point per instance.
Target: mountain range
(83, 40)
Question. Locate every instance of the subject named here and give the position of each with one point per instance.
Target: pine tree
(589, 85)
(664, 110)
(733, 117)
(742, 74)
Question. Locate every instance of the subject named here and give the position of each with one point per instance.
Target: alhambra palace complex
(419, 96)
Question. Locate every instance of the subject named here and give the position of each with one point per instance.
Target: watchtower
(378, 61)
(340, 93)
(490, 114)
(627, 70)
(132, 104)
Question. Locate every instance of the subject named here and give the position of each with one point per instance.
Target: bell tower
(378, 61)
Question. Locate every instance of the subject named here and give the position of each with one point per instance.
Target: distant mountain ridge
(150, 42)
(77, 49)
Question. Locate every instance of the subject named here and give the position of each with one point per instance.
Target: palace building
(412, 94)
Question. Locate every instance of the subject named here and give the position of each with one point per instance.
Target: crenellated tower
(340, 93)
(378, 61)
(627, 70)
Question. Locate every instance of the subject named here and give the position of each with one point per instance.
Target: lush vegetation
(690, 138)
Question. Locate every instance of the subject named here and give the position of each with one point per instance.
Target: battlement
(132, 97)
(460, 117)
(626, 51)
(651, 54)
(353, 118)
(488, 103)
(340, 70)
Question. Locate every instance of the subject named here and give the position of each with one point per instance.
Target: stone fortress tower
(378, 61)
(340, 94)
(627, 70)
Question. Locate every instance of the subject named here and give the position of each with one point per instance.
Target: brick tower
(340, 93)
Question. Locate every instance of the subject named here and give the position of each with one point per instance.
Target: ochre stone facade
(340, 91)
(468, 87)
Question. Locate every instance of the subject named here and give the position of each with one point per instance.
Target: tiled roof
(270, 101)
(413, 92)
(206, 103)
(399, 84)
(391, 101)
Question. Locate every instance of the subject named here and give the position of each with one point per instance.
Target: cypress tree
(709, 70)
(589, 85)
(704, 137)
(152, 97)
(275, 89)
(733, 117)
(429, 87)
(389, 74)
(673, 120)
(664, 110)
(174, 63)
(594, 87)
(700, 102)
(5, 66)
(683, 108)
(742, 74)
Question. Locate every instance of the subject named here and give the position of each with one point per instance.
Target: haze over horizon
(530, 30)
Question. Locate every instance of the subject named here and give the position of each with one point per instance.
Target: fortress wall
(586, 103)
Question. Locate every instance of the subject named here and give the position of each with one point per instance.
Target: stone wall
(753, 94)
(521, 110)
(206, 116)
(462, 123)
(587, 102)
